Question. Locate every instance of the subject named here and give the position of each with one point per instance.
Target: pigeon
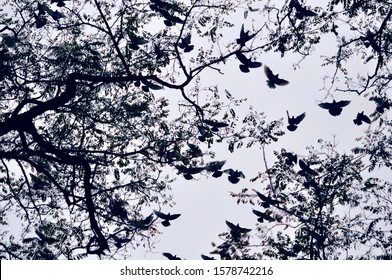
(246, 62)
(207, 258)
(215, 168)
(305, 169)
(234, 175)
(291, 159)
(185, 43)
(301, 12)
(142, 224)
(171, 257)
(273, 79)
(263, 216)
(361, 117)
(244, 37)
(266, 200)
(236, 230)
(215, 125)
(294, 121)
(166, 217)
(334, 108)
(188, 171)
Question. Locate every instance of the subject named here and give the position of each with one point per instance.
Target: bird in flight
(361, 117)
(171, 257)
(246, 62)
(236, 230)
(273, 79)
(334, 108)
(291, 158)
(302, 12)
(294, 121)
(166, 217)
(234, 175)
(244, 37)
(215, 168)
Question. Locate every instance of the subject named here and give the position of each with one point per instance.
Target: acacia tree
(327, 204)
(87, 134)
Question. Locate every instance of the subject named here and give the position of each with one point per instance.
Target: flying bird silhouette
(171, 257)
(305, 169)
(236, 230)
(291, 159)
(273, 79)
(266, 200)
(334, 108)
(185, 43)
(263, 216)
(234, 175)
(215, 167)
(246, 62)
(142, 224)
(215, 125)
(166, 217)
(301, 12)
(188, 171)
(361, 117)
(294, 121)
(207, 258)
(244, 37)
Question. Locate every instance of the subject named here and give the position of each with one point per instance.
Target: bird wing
(299, 119)
(229, 171)
(342, 103)
(241, 57)
(240, 174)
(268, 72)
(365, 118)
(258, 213)
(161, 215)
(172, 217)
(326, 105)
(281, 82)
(231, 225)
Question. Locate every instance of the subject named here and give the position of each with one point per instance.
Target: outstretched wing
(342, 103)
(299, 119)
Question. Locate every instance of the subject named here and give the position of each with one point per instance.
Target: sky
(205, 203)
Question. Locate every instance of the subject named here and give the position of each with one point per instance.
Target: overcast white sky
(205, 203)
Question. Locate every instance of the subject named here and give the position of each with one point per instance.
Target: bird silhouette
(236, 230)
(361, 117)
(171, 257)
(294, 121)
(207, 258)
(335, 108)
(60, 3)
(301, 12)
(266, 200)
(215, 167)
(234, 175)
(244, 37)
(273, 79)
(246, 62)
(263, 216)
(305, 169)
(166, 217)
(185, 43)
(188, 171)
(215, 125)
(291, 159)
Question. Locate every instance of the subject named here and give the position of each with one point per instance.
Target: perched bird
(266, 200)
(246, 62)
(305, 169)
(234, 175)
(188, 171)
(301, 12)
(291, 159)
(185, 43)
(334, 108)
(361, 117)
(273, 79)
(215, 125)
(294, 121)
(207, 258)
(244, 37)
(263, 216)
(236, 230)
(171, 257)
(215, 167)
(166, 217)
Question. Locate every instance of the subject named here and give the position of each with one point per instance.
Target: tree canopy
(91, 140)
